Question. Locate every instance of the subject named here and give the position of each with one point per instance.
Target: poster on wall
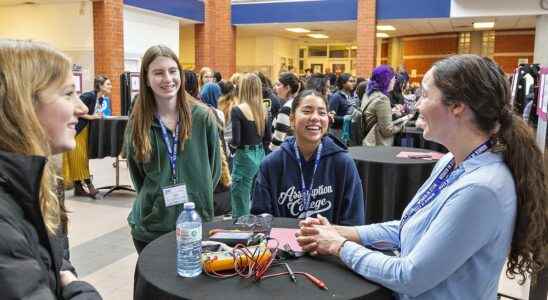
(77, 76)
(317, 68)
(338, 67)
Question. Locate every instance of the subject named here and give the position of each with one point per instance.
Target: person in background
(227, 101)
(217, 77)
(172, 147)
(307, 73)
(205, 76)
(37, 121)
(76, 161)
(312, 173)
(484, 205)
(191, 84)
(340, 104)
(376, 108)
(210, 93)
(250, 136)
(319, 83)
(271, 102)
(286, 88)
(356, 99)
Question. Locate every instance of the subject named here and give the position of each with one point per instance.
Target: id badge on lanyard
(175, 193)
(306, 192)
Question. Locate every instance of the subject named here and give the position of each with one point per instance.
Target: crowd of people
(280, 149)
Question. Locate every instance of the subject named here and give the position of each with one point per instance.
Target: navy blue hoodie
(337, 192)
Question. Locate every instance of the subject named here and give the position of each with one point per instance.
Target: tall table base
(117, 186)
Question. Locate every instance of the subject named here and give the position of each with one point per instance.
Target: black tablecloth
(157, 279)
(412, 137)
(388, 182)
(106, 136)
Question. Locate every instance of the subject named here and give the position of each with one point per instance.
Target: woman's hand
(66, 278)
(317, 236)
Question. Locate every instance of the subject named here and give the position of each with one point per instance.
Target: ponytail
(524, 159)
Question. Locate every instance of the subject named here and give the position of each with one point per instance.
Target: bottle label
(189, 235)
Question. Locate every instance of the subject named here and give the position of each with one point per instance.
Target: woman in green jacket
(172, 148)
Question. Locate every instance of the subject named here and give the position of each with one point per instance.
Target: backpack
(361, 125)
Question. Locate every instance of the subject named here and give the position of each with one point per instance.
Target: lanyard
(444, 179)
(172, 149)
(304, 190)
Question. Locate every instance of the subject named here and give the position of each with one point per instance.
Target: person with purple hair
(376, 111)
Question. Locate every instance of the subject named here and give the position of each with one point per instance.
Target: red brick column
(366, 37)
(215, 40)
(108, 39)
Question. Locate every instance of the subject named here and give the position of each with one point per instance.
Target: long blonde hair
(26, 69)
(145, 107)
(251, 92)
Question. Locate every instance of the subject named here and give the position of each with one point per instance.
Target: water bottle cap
(189, 205)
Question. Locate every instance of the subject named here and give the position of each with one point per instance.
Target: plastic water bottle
(189, 242)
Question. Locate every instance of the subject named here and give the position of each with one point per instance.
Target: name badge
(175, 194)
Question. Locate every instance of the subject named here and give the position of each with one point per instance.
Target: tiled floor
(101, 246)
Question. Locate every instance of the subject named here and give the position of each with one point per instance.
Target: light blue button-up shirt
(454, 247)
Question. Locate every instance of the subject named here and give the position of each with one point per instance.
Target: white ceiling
(345, 32)
(38, 2)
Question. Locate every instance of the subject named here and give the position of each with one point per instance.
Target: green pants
(245, 166)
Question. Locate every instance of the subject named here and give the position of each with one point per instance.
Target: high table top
(158, 280)
(387, 155)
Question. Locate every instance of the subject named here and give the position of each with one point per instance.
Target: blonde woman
(250, 136)
(160, 160)
(205, 76)
(39, 113)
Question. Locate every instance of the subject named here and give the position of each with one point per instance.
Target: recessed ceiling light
(318, 36)
(298, 30)
(483, 25)
(354, 47)
(386, 27)
(382, 35)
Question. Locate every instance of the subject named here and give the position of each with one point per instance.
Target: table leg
(117, 186)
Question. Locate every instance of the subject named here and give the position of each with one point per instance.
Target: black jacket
(30, 259)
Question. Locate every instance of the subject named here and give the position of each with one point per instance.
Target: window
(488, 44)
(317, 51)
(464, 42)
(338, 52)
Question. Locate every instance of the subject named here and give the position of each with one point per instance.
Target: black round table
(389, 182)
(106, 136)
(412, 137)
(156, 277)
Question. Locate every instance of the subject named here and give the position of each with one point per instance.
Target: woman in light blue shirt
(483, 203)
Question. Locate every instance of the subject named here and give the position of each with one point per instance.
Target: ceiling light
(298, 30)
(354, 47)
(483, 25)
(382, 35)
(386, 27)
(318, 36)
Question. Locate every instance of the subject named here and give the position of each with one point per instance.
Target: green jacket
(198, 166)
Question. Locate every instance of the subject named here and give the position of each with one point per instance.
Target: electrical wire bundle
(255, 264)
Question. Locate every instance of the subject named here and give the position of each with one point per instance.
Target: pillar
(108, 43)
(216, 39)
(366, 37)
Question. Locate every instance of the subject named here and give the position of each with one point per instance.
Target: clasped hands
(318, 237)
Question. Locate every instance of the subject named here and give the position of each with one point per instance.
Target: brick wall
(365, 37)
(215, 40)
(420, 52)
(108, 38)
(512, 45)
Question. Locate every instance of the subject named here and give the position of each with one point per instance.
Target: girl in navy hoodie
(312, 174)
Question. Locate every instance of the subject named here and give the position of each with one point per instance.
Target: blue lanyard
(304, 190)
(444, 179)
(171, 149)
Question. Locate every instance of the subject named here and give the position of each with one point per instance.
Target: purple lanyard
(444, 179)
(172, 149)
(304, 190)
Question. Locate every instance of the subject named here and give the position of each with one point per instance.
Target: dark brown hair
(142, 115)
(481, 85)
(98, 82)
